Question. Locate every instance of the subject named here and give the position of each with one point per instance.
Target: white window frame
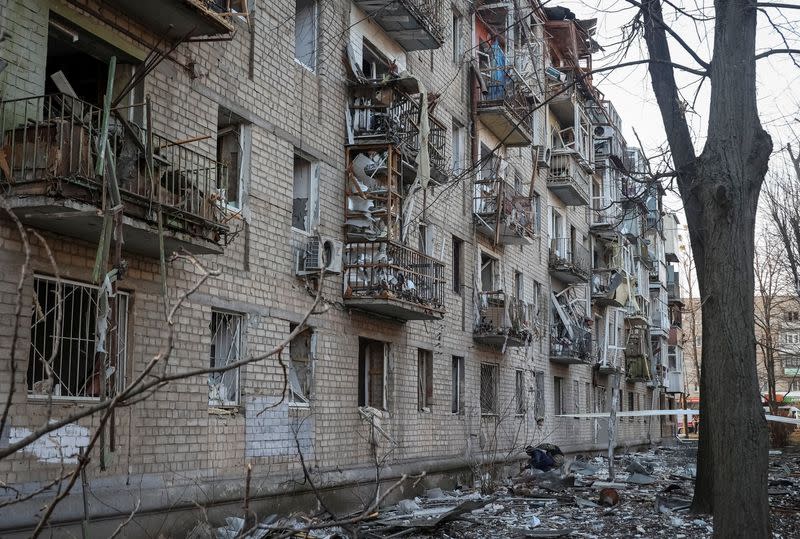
(122, 338)
(315, 30)
(244, 166)
(312, 210)
(238, 342)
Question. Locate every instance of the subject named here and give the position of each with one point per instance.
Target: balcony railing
(497, 205)
(602, 212)
(504, 320)
(504, 106)
(567, 179)
(394, 280)
(398, 123)
(577, 349)
(604, 286)
(570, 262)
(673, 291)
(414, 24)
(189, 18)
(50, 146)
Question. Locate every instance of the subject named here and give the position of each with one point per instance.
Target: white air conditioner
(603, 131)
(542, 156)
(320, 254)
(555, 74)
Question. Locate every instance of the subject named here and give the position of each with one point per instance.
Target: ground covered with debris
(649, 497)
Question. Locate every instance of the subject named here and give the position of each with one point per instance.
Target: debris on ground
(576, 498)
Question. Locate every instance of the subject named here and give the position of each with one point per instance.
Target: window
(791, 363)
(457, 400)
(76, 370)
(374, 65)
(458, 37)
(489, 380)
(793, 316)
(373, 359)
(305, 205)
(791, 338)
(426, 234)
(233, 150)
(537, 213)
(305, 33)
(519, 286)
(587, 392)
(630, 401)
(226, 340)
(538, 402)
(458, 264)
(558, 395)
(576, 396)
(302, 353)
(490, 269)
(519, 392)
(424, 380)
(794, 386)
(672, 357)
(459, 142)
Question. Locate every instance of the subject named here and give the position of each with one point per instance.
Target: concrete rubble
(650, 497)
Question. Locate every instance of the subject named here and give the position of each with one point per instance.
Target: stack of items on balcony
(571, 333)
(366, 197)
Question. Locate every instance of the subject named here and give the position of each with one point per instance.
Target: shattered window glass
(223, 387)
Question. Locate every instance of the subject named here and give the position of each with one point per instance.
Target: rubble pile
(571, 497)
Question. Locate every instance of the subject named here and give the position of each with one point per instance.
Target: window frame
(312, 216)
(239, 340)
(457, 385)
(492, 408)
(315, 30)
(558, 395)
(296, 398)
(363, 381)
(520, 393)
(424, 380)
(245, 147)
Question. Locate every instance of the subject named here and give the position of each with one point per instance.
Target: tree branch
(770, 52)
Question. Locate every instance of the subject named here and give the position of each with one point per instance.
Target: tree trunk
(720, 190)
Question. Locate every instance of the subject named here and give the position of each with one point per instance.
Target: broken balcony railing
(414, 24)
(567, 179)
(397, 122)
(50, 149)
(504, 105)
(392, 279)
(577, 348)
(503, 320)
(502, 212)
(605, 283)
(569, 261)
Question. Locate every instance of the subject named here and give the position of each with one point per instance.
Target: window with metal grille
(519, 386)
(457, 399)
(424, 380)
(226, 346)
(302, 353)
(76, 364)
(489, 379)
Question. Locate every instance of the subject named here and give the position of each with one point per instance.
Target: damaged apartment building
(489, 253)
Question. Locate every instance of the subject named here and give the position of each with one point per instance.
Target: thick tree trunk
(720, 190)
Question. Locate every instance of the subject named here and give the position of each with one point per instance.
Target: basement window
(75, 370)
(302, 354)
(305, 194)
(373, 366)
(424, 380)
(226, 347)
(306, 31)
(489, 380)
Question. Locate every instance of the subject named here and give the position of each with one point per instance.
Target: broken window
(305, 33)
(519, 285)
(558, 395)
(459, 147)
(538, 402)
(630, 401)
(489, 380)
(305, 195)
(373, 361)
(537, 213)
(424, 380)
(458, 37)
(302, 353)
(374, 65)
(457, 399)
(458, 263)
(233, 147)
(226, 345)
(519, 392)
(576, 397)
(80, 367)
(490, 273)
(600, 399)
(587, 391)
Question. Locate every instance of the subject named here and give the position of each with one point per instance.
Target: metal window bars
(389, 270)
(226, 342)
(51, 140)
(488, 392)
(71, 366)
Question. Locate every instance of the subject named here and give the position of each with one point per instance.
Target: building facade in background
(493, 255)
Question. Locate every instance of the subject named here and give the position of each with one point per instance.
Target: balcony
(179, 18)
(503, 320)
(504, 107)
(637, 368)
(602, 215)
(392, 280)
(674, 382)
(48, 174)
(571, 350)
(605, 283)
(569, 263)
(567, 179)
(382, 112)
(610, 359)
(414, 24)
(502, 213)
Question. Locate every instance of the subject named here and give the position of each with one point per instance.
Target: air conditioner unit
(320, 254)
(542, 156)
(603, 131)
(555, 74)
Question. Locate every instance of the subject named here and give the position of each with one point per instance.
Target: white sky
(630, 91)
